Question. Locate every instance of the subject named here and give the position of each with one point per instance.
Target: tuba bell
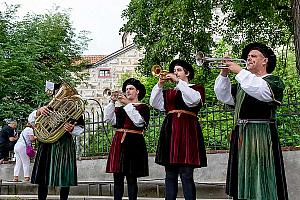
(66, 106)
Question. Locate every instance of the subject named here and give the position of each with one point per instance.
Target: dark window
(104, 73)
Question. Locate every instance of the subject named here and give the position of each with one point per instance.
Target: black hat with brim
(184, 65)
(265, 50)
(138, 85)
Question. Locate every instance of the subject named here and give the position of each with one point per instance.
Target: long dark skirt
(130, 157)
(55, 164)
(181, 142)
(255, 166)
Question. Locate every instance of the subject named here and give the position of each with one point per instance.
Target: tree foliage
(32, 50)
(166, 28)
(276, 23)
(296, 23)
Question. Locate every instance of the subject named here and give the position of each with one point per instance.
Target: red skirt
(181, 142)
(129, 157)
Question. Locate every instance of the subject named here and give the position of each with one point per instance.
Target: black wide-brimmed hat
(265, 50)
(183, 64)
(137, 84)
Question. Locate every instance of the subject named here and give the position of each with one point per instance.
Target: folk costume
(128, 155)
(55, 163)
(181, 145)
(255, 166)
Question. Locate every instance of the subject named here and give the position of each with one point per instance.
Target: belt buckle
(243, 121)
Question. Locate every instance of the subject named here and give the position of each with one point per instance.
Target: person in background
(255, 166)
(128, 155)
(8, 139)
(22, 159)
(181, 144)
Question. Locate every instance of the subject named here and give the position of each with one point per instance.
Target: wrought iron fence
(216, 120)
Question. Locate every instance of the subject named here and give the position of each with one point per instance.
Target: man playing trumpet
(255, 166)
(128, 155)
(181, 145)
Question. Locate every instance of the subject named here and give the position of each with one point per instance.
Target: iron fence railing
(216, 120)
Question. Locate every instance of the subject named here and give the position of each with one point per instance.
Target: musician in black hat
(181, 145)
(128, 155)
(255, 167)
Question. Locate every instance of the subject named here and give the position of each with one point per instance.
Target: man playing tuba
(55, 163)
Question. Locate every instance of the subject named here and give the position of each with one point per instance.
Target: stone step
(34, 197)
(147, 189)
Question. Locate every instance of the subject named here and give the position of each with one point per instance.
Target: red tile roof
(89, 59)
(92, 59)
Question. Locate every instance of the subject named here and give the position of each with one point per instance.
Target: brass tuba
(66, 106)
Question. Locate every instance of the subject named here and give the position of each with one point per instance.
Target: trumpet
(159, 72)
(217, 63)
(108, 93)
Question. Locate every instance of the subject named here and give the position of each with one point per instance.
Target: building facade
(106, 73)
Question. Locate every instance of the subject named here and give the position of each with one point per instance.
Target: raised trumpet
(159, 72)
(108, 93)
(217, 63)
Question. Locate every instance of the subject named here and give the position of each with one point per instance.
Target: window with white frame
(104, 73)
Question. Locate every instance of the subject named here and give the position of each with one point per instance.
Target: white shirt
(253, 85)
(190, 96)
(25, 134)
(131, 111)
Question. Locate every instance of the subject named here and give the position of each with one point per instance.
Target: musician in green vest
(255, 167)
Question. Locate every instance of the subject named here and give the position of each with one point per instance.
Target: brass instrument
(217, 63)
(157, 71)
(108, 93)
(66, 106)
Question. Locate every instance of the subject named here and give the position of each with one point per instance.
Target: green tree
(35, 49)
(165, 28)
(273, 22)
(296, 23)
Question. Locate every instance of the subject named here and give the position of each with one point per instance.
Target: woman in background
(22, 159)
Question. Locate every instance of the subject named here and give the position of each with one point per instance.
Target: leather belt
(254, 121)
(182, 111)
(124, 130)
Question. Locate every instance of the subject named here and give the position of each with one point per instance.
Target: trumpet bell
(156, 70)
(200, 58)
(108, 93)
